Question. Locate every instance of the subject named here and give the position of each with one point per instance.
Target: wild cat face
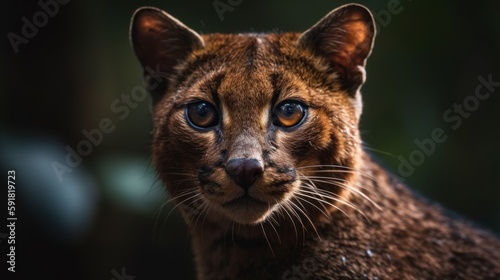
(247, 125)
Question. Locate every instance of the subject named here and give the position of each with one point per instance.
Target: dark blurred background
(99, 219)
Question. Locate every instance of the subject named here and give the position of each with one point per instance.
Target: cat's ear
(161, 42)
(344, 38)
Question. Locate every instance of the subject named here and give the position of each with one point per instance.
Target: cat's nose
(244, 170)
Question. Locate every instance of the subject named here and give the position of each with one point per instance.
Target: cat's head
(247, 125)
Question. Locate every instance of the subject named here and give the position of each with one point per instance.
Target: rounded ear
(161, 42)
(344, 38)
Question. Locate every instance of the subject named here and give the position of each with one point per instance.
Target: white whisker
(340, 183)
(322, 201)
(284, 209)
(265, 235)
(307, 217)
(288, 206)
(314, 198)
(343, 169)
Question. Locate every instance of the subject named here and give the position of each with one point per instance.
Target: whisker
(314, 186)
(331, 195)
(181, 194)
(162, 206)
(202, 209)
(328, 196)
(315, 178)
(182, 174)
(178, 204)
(277, 234)
(288, 206)
(378, 151)
(339, 183)
(323, 165)
(314, 198)
(157, 218)
(356, 172)
(281, 207)
(333, 179)
(307, 217)
(204, 217)
(322, 201)
(265, 235)
(343, 169)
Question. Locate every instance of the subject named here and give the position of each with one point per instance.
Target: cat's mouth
(245, 201)
(247, 209)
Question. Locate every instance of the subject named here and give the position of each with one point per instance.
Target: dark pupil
(289, 109)
(202, 109)
(202, 114)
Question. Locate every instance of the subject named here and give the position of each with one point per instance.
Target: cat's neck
(226, 250)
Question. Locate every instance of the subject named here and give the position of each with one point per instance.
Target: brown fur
(354, 222)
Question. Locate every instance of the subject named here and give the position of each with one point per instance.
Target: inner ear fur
(344, 38)
(161, 42)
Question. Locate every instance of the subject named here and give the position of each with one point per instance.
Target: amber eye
(289, 113)
(201, 115)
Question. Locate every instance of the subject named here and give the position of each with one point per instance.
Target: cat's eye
(201, 115)
(289, 114)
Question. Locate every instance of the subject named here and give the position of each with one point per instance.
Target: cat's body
(256, 138)
(407, 239)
